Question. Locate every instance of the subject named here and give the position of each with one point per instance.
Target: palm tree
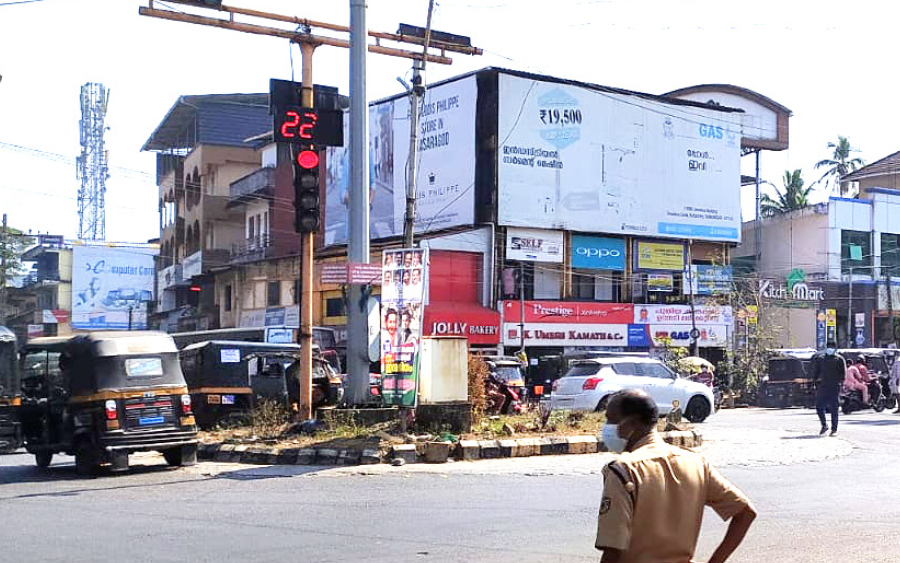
(794, 196)
(839, 165)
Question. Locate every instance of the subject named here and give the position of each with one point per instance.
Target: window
(143, 367)
(227, 298)
(625, 368)
(273, 294)
(296, 292)
(856, 252)
(657, 370)
(595, 285)
(251, 224)
(547, 281)
(334, 307)
(890, 254)
(584, 369)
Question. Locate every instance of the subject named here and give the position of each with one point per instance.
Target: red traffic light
(308, 159)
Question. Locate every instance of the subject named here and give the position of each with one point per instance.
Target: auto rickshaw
(102, 396)
(226, 378)
(788, 381)
(10, 393)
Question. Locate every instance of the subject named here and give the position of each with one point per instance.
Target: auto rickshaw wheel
(43, 459)
(85, 460)
(181, 456)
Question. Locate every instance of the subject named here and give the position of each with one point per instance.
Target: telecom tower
(93, 166)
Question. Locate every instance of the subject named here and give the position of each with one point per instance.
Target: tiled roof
(887, 165)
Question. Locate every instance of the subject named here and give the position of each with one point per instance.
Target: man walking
(828, 374)
(654, 495)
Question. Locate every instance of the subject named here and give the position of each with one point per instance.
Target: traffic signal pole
(358, 247)
(306, 264)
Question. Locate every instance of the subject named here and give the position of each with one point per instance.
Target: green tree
(794, 196)
(839, 165)
(12, 244)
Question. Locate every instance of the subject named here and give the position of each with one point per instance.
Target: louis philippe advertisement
(402, 309)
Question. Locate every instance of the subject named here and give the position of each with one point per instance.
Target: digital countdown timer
(309, 126)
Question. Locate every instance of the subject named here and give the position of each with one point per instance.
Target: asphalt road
(846, 508)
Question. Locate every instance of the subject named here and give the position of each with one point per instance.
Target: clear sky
(831, 65)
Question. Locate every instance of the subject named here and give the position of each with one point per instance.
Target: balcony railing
(254, 248)
(253, 182)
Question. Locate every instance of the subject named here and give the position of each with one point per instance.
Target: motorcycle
(880, 397)
(501, 398)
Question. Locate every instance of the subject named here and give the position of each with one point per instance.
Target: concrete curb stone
(406, 452)
(489, 449)
(431, 452)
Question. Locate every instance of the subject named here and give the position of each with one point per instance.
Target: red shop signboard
(569, 312)
(479, 324)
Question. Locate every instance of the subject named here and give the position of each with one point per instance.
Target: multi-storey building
(42, 306)
(203, 145)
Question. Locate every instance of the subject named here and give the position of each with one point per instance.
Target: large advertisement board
(402, 303)
(579, 159)
(446, 173)
(111, 287)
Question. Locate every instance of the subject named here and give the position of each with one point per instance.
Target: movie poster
(402, 309)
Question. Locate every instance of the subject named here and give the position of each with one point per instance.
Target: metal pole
(521, 307)
(694, 341)
(306, 265)
(850, 311)
(758, 229)
(358, 246)
(416, 94)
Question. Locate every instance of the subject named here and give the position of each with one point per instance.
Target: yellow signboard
(830, 317)
(752, 314)
(660, 256)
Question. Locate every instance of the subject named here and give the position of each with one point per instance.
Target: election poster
(402, 309)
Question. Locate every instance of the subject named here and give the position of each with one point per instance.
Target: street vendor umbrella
(693, 364)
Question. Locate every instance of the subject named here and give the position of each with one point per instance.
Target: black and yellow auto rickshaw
(227, 377)
(10, 393)
(104, 395)
(788, 381)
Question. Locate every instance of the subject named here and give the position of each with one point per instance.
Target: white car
(589, 383)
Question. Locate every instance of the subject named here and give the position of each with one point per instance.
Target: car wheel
(43, 459)
(698, 409)
(601, 406)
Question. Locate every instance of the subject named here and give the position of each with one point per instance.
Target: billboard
(580, 159)
(402, 303)
(446, 178)
(598, 253)
(534, 245)
(111, 287)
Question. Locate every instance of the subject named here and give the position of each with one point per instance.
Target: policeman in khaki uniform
(654, 494)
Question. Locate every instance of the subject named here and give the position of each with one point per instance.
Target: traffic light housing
(306, 190)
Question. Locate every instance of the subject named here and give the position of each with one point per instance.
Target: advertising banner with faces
(403, 285)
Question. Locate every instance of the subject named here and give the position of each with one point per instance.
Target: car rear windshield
(587, 368)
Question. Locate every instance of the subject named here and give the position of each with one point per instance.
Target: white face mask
(830, 351)
(611, 439)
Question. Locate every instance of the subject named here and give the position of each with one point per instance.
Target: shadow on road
(64, 473)
(803, 437)
(894, 422)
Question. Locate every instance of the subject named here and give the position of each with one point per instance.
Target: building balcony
(256, 184)
(252, 250)
(203, 261)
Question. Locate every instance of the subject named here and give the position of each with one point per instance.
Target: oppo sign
(598, 253)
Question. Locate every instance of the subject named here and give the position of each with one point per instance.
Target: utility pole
(358, 243)
(358, 247)
(416, 94)
(3, 252)
(850, 311)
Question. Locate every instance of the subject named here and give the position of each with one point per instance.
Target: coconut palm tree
(839, 165)
(794, 196)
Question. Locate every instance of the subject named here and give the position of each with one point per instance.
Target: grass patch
(537, 423)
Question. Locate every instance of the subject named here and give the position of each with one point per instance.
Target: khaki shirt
(654, 515)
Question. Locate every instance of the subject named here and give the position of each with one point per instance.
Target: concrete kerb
(436, 452)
